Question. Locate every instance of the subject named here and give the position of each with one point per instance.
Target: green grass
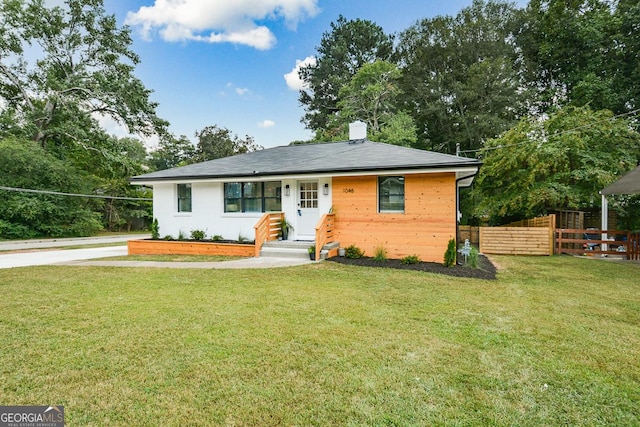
(554, 341)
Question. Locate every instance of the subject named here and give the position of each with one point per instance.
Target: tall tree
(372, 95)
(172, 152)
(581, 52)
(215, 143)
(558, 163)
(342, 51)
(25, 165)
(459, 78)
(84, 66)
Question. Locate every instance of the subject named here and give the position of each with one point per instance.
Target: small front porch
(268, 231)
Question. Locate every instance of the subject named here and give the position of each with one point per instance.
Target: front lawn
(553, 341)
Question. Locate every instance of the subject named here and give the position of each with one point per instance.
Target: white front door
(308, 213)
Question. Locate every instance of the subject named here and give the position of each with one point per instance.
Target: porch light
(325, 190)
(287, 190)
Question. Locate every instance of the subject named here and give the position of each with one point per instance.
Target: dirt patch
(486, 270)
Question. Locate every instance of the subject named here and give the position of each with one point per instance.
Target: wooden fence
(598, 242)
(529, 237)
(469, 232)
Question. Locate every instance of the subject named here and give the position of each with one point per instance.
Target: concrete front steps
(292, 249)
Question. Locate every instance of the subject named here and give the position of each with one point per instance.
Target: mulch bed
(486, 270)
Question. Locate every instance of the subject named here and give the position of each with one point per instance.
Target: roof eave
(462, 166)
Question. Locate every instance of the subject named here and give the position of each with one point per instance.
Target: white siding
(208, 210)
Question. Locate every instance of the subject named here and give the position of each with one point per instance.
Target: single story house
(381, 195)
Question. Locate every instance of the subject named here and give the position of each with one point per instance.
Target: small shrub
(217, 238)
(168, 237)
(380, 254)
(474, 258)
(353, 252)
(241, 238)
(410, 259)
(181, 235)
(198, 234)
(450, 254)
(155, 229)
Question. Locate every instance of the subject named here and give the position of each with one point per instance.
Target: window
(309, 195)
(252, 197)
(184, 197)
(391, 194)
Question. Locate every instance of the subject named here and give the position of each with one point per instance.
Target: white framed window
(184, 197)
(391, 194)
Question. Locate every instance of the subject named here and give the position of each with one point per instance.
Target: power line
(56, 193)
(555, 134)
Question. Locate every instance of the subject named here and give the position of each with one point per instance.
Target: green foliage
(380, 254)
(168, 237)
(155, 229)
(559, 163)
(459, 76)
(370, 95)
(398, 129)
(25, 164)
(410, 259)
(343, 50)
(473, 260)
(217, 238)
(171, 152)
(84, 65)
(312, 249)
(450, 254)
(353, 252)
(198, 234)
(582, 53)
(215, 143)
(181, 235)
(242, 239)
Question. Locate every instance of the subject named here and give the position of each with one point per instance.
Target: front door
(308, 212)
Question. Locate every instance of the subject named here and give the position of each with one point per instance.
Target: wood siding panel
(424, 229)
(158, 247)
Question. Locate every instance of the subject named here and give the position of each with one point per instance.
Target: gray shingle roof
(335, 157)
(628, 184)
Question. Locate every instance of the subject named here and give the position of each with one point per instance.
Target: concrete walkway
(235, 264)
(87, 257)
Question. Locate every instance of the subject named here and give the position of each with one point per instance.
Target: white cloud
(243, 91)
(219, 21)
(293, 79)
(267, 124)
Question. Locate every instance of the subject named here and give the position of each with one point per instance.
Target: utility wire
(56, 193)
(555, 134)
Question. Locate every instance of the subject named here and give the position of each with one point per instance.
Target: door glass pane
(309, 195)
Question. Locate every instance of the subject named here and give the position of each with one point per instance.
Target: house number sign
(348, 190)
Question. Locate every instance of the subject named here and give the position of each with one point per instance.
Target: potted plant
(312, 253)
(285, 227)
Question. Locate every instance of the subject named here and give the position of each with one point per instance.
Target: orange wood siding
(424, 229)
(159, 247)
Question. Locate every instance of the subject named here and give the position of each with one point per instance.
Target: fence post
(552, 233)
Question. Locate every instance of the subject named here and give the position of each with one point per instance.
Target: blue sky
(214, 62)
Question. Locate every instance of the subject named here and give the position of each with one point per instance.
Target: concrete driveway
(38, 254)
(46, 257)
(26, 259)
